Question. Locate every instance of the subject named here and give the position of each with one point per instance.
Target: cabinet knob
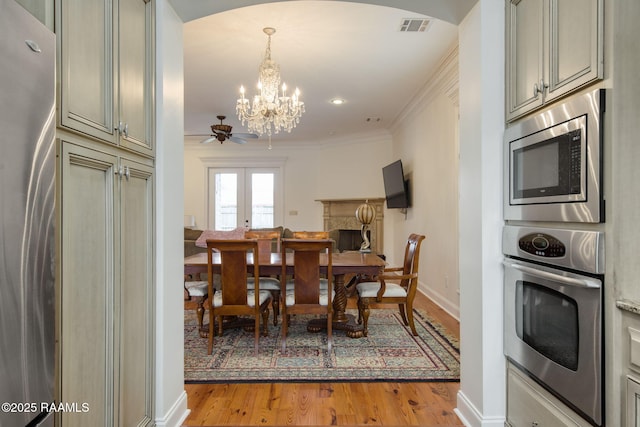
(539, 88)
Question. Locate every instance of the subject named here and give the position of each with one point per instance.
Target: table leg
(339, 300)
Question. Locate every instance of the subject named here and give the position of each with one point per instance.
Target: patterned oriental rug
(390, 353)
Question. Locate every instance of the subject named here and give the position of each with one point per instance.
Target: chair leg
(211, 330)
(403, 314)
(200, 313)
(410, 315)
(265, 321)
(285, 323)
(329, 332)
(365, 316)
(219, 326)
(275, 302)
(256, 334)
(359, 311)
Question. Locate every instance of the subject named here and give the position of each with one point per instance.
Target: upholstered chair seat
(196, 288)
(262, 297)
(370, 290)
(323, 299)
(266, 283)
(199, 291)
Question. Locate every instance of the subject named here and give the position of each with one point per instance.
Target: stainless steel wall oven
(553, 327)
(553, 163)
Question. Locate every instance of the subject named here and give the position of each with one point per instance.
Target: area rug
(390, 353)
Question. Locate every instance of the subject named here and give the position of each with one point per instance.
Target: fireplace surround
(340, 214)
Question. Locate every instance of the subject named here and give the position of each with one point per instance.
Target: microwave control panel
(542, 244)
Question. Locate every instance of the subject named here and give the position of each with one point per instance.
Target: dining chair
(268, 241)
(400, 290)
(234, 297)
(304, 293)
(310, 234)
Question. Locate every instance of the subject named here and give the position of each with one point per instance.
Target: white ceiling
(326, 48)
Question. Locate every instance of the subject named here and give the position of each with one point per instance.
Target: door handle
(584, 282)
(123, 129)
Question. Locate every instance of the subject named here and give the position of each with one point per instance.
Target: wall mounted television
(396, 188)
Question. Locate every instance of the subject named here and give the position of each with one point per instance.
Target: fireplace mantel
(341, 214)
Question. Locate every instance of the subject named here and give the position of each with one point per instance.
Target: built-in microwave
(553, 163)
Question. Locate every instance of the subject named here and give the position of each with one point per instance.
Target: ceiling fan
(222, 132)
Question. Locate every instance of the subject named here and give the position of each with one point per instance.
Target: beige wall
(312, 171)
(427, 142)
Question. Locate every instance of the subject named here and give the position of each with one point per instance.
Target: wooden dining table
(343, 263)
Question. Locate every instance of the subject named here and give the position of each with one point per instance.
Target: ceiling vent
(413, 25)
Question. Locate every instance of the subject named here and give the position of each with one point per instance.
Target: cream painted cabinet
(104, 299)
(106, 70)
(553, 47)
(633, 402)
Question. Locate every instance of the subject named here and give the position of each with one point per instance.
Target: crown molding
(445, 80)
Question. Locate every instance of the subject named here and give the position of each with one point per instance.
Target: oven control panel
(542, 244)
(580, 250)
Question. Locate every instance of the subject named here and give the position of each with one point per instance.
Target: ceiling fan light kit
(269, 113)
(222, 132)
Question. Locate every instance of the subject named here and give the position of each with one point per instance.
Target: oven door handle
(584, 282)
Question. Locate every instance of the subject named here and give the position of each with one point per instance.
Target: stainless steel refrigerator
(27, 217)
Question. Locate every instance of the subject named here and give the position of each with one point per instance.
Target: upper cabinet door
(135, 75)
(525, 55)
(86, 68)
(106, 71)
(553, 48)
(575, 45)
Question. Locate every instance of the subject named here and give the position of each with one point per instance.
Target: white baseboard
(471, 417)
(177, 413)
(452, 309)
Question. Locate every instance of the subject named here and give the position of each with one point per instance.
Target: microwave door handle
(584, 282)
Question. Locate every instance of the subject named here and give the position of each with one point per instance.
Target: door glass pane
(226, 201)
(548, 321)
(262, 200)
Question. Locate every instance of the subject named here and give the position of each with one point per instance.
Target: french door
(244, 197)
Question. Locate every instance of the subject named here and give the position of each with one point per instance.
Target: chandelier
(269, 113)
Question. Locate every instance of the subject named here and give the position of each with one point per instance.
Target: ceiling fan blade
(208, 140)
(237, 140)
(245, 135)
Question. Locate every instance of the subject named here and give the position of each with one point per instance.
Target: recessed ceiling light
(337, 101)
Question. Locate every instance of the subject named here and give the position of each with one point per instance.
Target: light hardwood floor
(326, 404)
